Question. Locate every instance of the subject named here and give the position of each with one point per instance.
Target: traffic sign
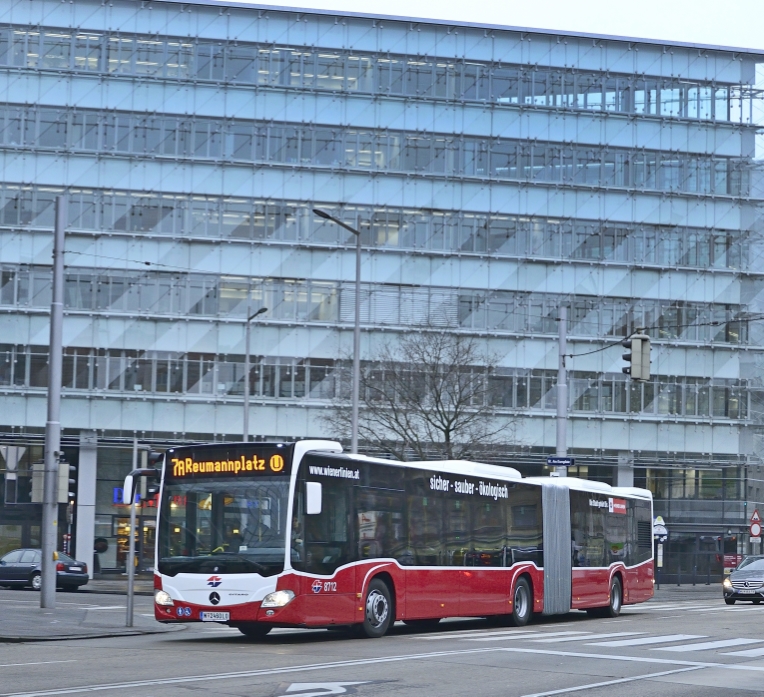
(560, 461)
(660, 531)
(755, 524)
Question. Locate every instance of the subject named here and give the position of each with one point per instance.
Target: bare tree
(430, 396)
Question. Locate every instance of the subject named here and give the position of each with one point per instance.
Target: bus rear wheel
(378, 610)
(521, 604)
(254, 630)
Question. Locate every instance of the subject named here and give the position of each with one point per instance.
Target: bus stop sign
(660, 531)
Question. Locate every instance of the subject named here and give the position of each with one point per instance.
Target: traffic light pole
(53, 423)
(562, 391)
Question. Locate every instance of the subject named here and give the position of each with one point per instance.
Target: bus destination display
(228, 462)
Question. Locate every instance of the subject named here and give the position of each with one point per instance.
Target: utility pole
(562, 392)
(53, 424)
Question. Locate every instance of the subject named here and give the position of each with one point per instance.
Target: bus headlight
(278, 599)
(163, 598)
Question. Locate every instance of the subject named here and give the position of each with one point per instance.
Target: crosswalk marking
(708, 645)
(747, 653)
(665, 639)
(513, 636)
(583, 638)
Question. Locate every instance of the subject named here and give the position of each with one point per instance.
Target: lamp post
(246, 372)
(356, 328)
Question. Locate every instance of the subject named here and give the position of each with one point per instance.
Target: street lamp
(246, 372)
(356, 327)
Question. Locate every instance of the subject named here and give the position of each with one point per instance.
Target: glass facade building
(494, 174)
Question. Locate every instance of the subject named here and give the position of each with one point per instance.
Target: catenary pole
(356, 348)
(356, 389)
(245, 434)
(131, 546)
(53, 423)
(245, 416)
(562, 391)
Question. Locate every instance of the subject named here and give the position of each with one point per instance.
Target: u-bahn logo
(316, 586)
(276, 463)
(214, 581)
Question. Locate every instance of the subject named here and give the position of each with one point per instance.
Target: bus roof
(594, 487)
(465, 468)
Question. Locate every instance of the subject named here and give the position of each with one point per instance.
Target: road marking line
(105, 607)
(591, 686)
(476, 633)
(708, 645)
(621, 657)
(748, 653)
(583, 638)
(550, 634)
(649, 640)
(36, 663)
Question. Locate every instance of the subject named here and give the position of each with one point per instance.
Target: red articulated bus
(265, 535)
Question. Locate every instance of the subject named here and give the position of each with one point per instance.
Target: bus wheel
(616, 598)
(254, 630)
(378, 610)
(521, 604)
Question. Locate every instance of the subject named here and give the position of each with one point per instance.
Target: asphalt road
(689, 646)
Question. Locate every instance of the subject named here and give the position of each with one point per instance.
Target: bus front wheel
(378, 610)
(613, 608)
(254, 630)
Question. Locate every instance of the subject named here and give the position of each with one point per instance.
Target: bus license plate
(214, 616)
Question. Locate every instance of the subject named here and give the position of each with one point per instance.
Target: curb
(147, 594)
(101, 635)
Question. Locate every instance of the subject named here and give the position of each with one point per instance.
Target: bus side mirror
(312, 498)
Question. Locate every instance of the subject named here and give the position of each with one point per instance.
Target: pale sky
(734, 23)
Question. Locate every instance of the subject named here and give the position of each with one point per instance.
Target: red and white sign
(755, 524)
(617, 506)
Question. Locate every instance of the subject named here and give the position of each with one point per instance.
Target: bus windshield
(223, 526)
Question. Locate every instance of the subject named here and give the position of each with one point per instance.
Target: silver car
(746, 582)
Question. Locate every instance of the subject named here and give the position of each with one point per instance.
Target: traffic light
(67, 482)
(638, 360)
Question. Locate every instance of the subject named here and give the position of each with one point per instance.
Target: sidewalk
(76, 616)
(30, 622)
(669, 592)
(117, 585)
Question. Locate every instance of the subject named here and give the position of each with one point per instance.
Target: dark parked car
(21, 567)
(746, 582)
